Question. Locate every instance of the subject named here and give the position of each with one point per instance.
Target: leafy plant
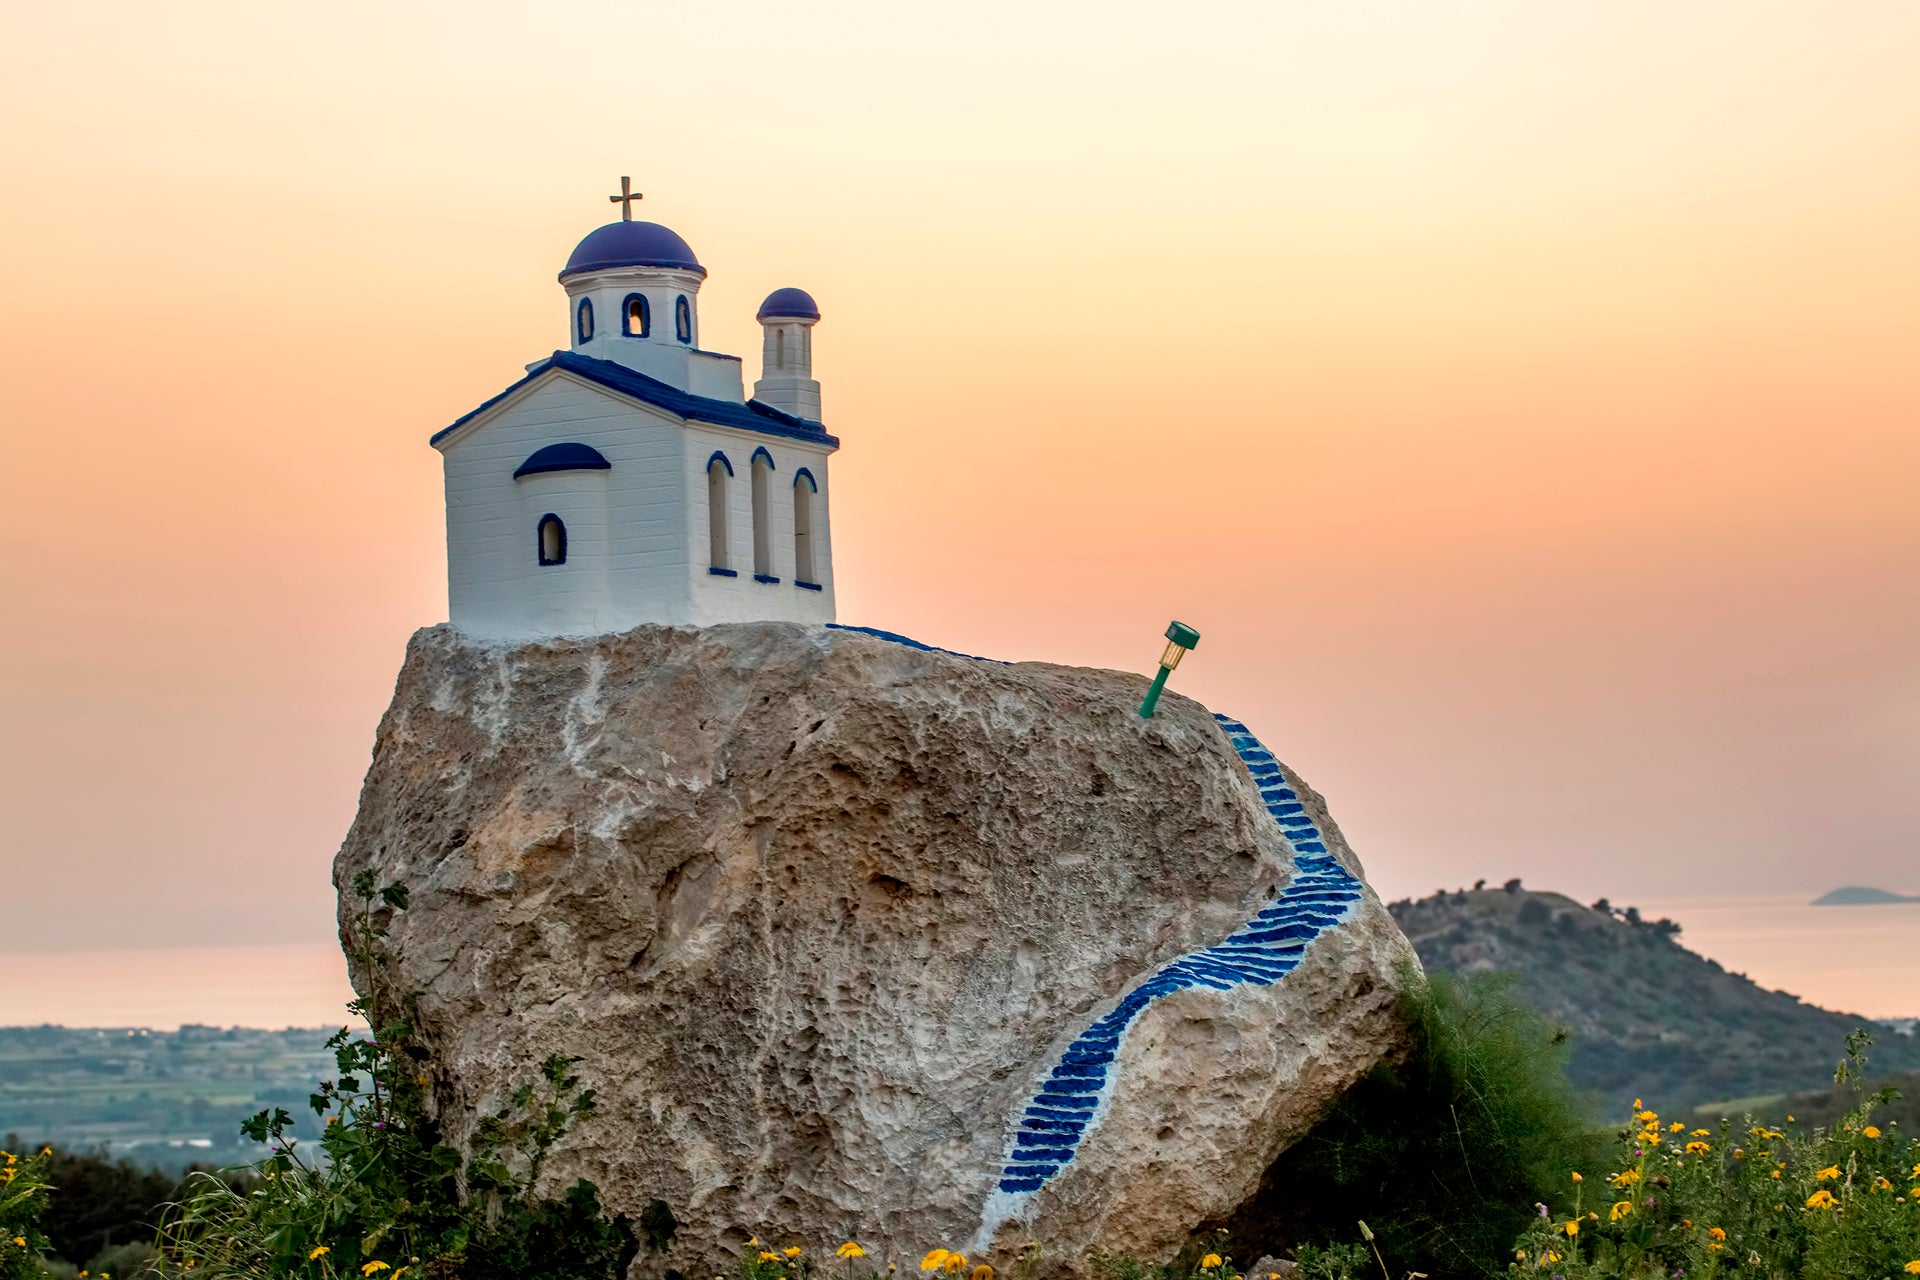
(1444, 1155)
(389, 1198)
(23, 1194)
(1839, 1203)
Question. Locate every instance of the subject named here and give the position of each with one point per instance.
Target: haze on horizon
(1520, 399)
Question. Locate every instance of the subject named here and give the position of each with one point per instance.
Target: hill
(1856, 895)
(1649, 1018)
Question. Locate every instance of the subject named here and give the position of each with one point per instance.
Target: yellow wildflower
(1626, 1179)
(1718, 1233)
(849, 1250)
(1577, 1177)
(319, 1251)
(1776, 1173)
(1646, 1117)
(1821, 1199)
(1675, 1127)
(1620, 1210)
(372, 1267)
(1870, 1132)
(792, 1252)
(1881, 1184)
(982, 1272)
(20, 1242)
(933, 1261)
(1571, 1227)
(1912, 1268)
(1698, 1148)
(955, 1262)
(1702, 1133)
(1209, 1262)
(1549, 1258)
(768, 1255)
(1829, 1173)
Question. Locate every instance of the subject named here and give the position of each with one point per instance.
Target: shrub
(1839, 1203)
(1444, 1155)
(23, 1194)
(390, 1200)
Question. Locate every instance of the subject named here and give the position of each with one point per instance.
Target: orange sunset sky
(1521, 398)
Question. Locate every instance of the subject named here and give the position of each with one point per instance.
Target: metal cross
(625, 199)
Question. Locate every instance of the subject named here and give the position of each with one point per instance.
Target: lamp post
(1180, 638)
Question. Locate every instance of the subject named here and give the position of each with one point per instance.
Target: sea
(1863, 960)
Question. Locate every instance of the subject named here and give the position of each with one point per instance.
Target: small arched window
(763, 516)
(635, 320)
(683, 319)
(583, 320)
(719, 471)
(803, 491)
(551, 539)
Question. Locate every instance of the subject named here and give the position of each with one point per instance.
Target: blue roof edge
(751, 416)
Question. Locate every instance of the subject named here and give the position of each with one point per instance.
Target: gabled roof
(751, 416)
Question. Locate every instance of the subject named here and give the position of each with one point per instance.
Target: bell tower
(786, 380)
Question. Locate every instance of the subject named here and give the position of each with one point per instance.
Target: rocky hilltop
(1649, 1018)
(855, 936)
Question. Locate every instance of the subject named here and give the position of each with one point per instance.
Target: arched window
(803, 491)
(683, 319)
(719, 471)
(583, 320)
(762, 516)
(551, 540)
(635, 320)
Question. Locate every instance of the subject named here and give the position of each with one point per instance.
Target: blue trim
(895, 637)
(808, 586)
(570, 456)
(751, 416)
(540, 539)
(718, 572)
(721, 458)
(683, 319)
(760, 453)
(764, 577)
(583, 320)
(626, 315)
(804, 474)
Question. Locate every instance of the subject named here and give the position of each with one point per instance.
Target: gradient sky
(1520, 398)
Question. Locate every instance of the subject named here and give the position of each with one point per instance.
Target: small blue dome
(631, 244)
(789, 304)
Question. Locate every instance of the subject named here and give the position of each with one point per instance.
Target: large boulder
(857, 938)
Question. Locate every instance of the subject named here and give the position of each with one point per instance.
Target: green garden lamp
(1180, 638)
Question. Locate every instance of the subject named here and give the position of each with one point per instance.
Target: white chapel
(629, 479)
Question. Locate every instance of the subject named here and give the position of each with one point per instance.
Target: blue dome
(789, 304)
(631, 244)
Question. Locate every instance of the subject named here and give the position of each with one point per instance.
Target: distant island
(1855, 895)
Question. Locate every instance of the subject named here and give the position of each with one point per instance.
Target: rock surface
(831, 918)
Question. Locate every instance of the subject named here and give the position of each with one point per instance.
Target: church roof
(631, 244)
(751, 416)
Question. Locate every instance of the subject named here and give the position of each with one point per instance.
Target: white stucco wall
(637, 533)
(660, 354)
(717, 598)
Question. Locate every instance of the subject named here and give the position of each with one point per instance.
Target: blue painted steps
(1260, 953)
